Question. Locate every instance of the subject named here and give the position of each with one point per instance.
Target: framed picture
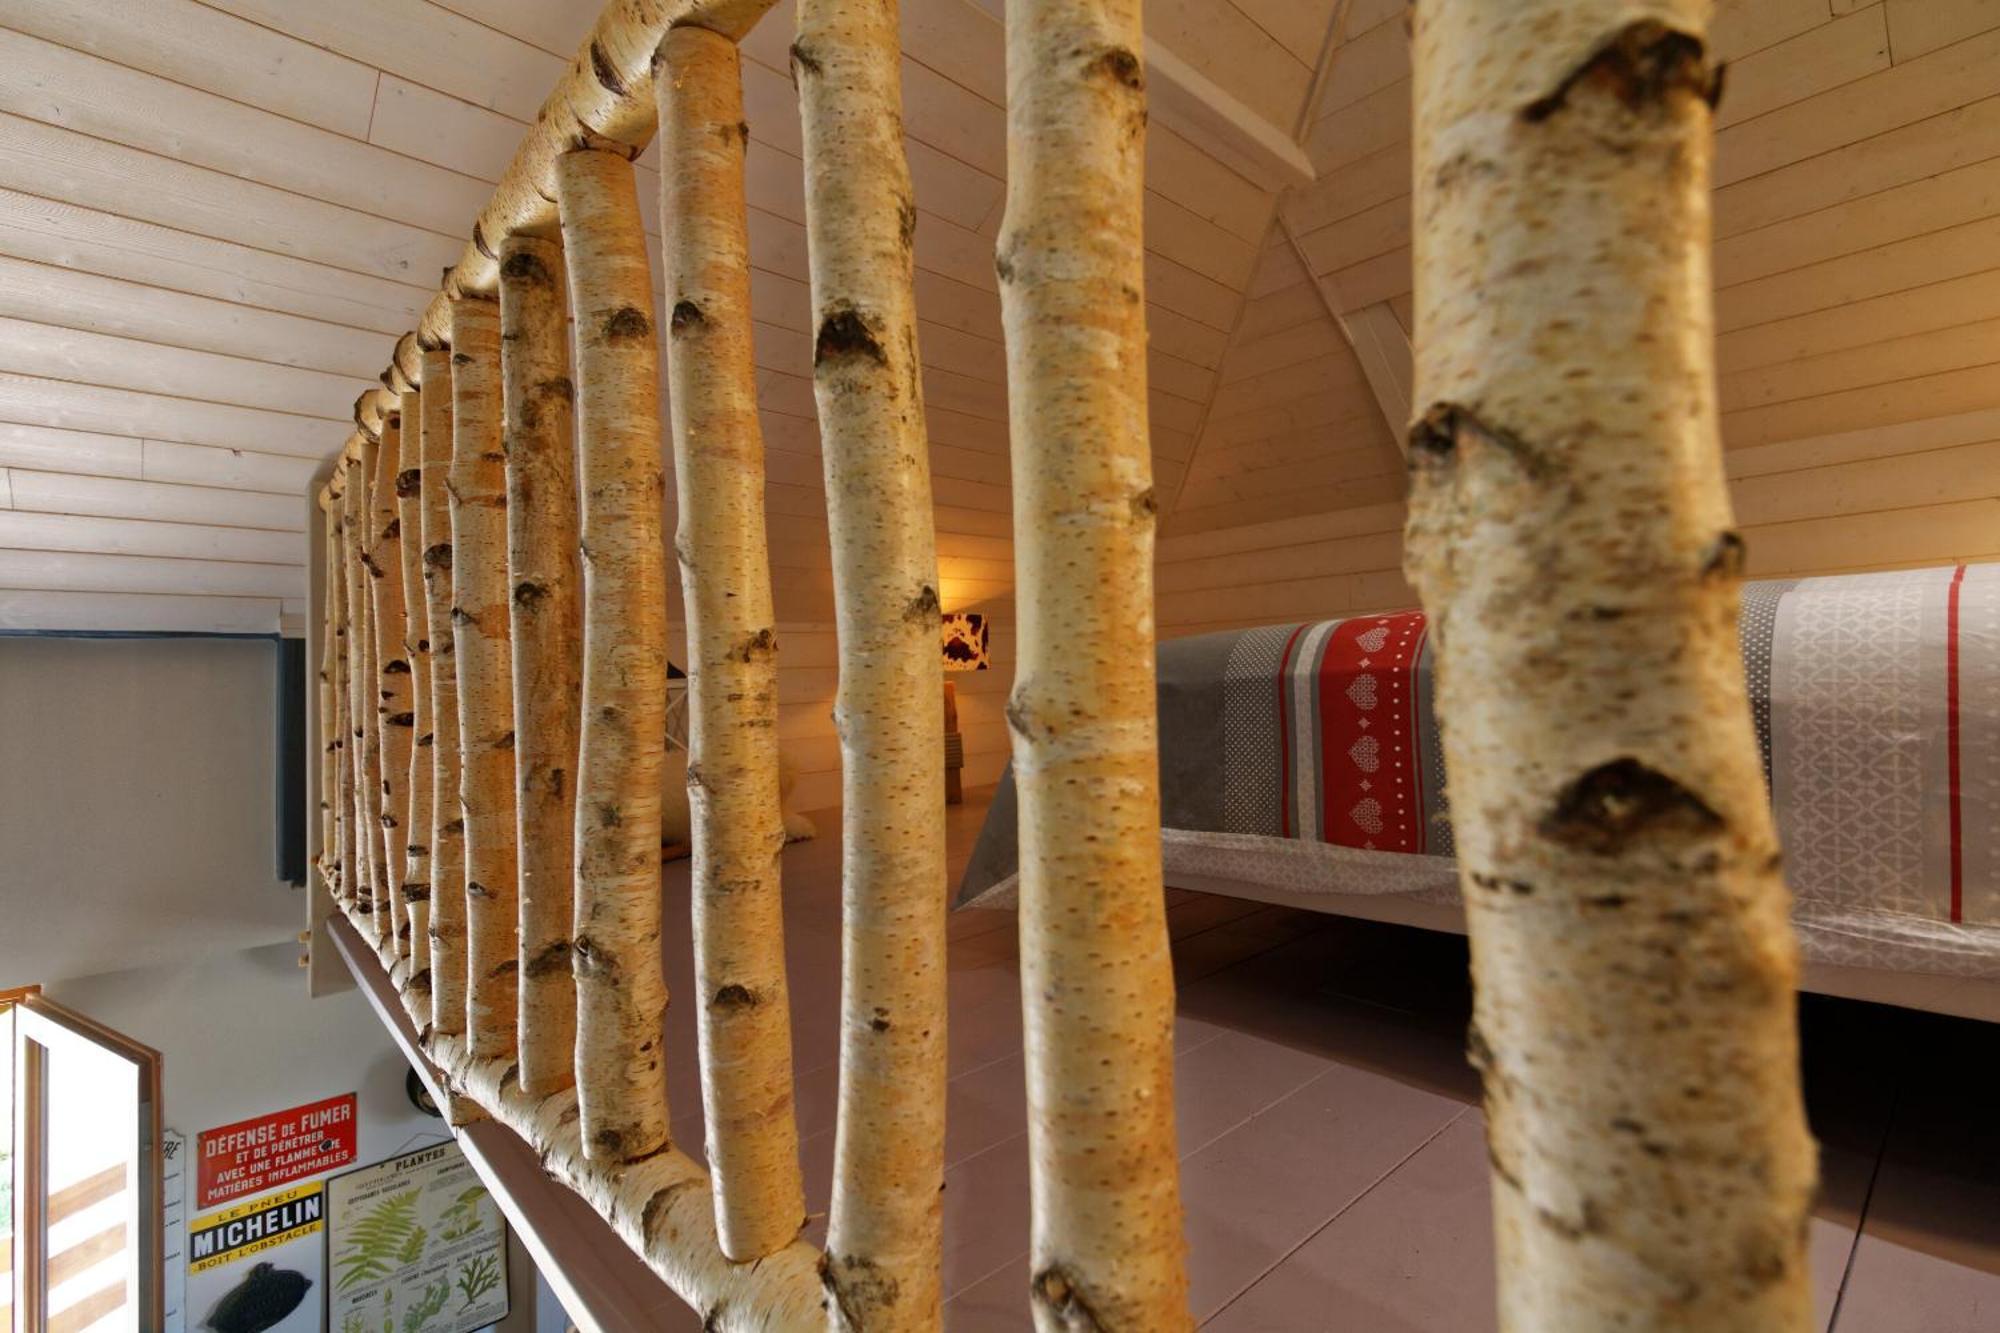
(414, 1244)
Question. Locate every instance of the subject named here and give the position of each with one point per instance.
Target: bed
(1301, 765)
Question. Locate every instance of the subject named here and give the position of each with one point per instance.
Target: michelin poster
(252, 1265)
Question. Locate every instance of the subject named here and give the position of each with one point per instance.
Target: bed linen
(1307, 757)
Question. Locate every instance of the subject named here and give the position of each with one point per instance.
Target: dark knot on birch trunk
(845, 334)
(1640, 65)
(1606, 809)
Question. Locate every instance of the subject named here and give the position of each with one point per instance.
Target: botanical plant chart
(414, 1245)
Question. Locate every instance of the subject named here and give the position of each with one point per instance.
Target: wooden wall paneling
(159, 368)
(56, 163)
(52, 294)
(169, 502)
(89, 452)
(160, 613)
(24, 530)
(202, 47)
(1914, 88)
(58, 86)
(65, 571)
(1915, 261)
(1848, 48)
(52, 232)
(1922, 207)
(1918, 26)
(1915, 310)
(42, 402)
(423, 43)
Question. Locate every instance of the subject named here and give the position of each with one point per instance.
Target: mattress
(1307, 757)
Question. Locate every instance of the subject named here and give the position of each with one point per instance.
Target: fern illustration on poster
(414, 1244)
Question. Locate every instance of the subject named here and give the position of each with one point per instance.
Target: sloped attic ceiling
(216, 216)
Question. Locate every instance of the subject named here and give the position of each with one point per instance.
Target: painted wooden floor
(1334, 1169)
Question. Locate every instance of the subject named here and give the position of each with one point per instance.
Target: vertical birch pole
(385, 562)
(745, 1020)
(329, 718)
(480, 626)
(417, 648)
(1096, 980)
(363, 696)
(447, 901)
(621, 992)
(342, 738)
(1570, 534)
(883, 1239)
(547, 627)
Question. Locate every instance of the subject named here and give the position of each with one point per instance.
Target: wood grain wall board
(66, 571)
(140, 612)
(40, 402)
(25, 530)
(118, 497)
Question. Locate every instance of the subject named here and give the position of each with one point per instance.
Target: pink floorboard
(1333, 1159)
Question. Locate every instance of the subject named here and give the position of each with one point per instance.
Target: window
(80, 1181)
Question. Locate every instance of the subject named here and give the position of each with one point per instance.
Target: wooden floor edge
(565, 1209)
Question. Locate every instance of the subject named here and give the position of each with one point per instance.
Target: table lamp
(966, 647)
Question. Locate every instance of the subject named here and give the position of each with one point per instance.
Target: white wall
(137, 805)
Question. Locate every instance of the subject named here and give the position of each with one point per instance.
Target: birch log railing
(494, 736)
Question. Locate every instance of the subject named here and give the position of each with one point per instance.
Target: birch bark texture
(1096, 980)
(1570, 535)
(447, 900)
(882, 1265)
(385, 566)
(417, 650)
(343, 665)
(366, 699)
(621, 989)
(738, 833)
(480, 628)
(545, 612)
(329, 715)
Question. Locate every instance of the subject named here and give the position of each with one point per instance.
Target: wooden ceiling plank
(52, 232)
(116, 497)
(234, 469)
(68, 571)
(121, 308)
(1742, 27)
(58, 86)
(41, 402)
(1939, 143)
(1918, 310)
(138, 612)
(1912, 89)
(137, 536)
(1920, 26)
(97, 454)
(78, 357)
(1898, 266)
(1841, 52)
(1933, 204)
(56, 163)
(423, 43)
(198, 45)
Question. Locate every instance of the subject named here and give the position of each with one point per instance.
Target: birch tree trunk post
(417, 649)
(621, 992)
(480, 627)
(547, 628)
(1571, 537)
(882, 1265)
(385, 563)
(343, 791)
(738, 835)
(362, 694)
(1096, 979)
(329, 718)
(447, 900)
